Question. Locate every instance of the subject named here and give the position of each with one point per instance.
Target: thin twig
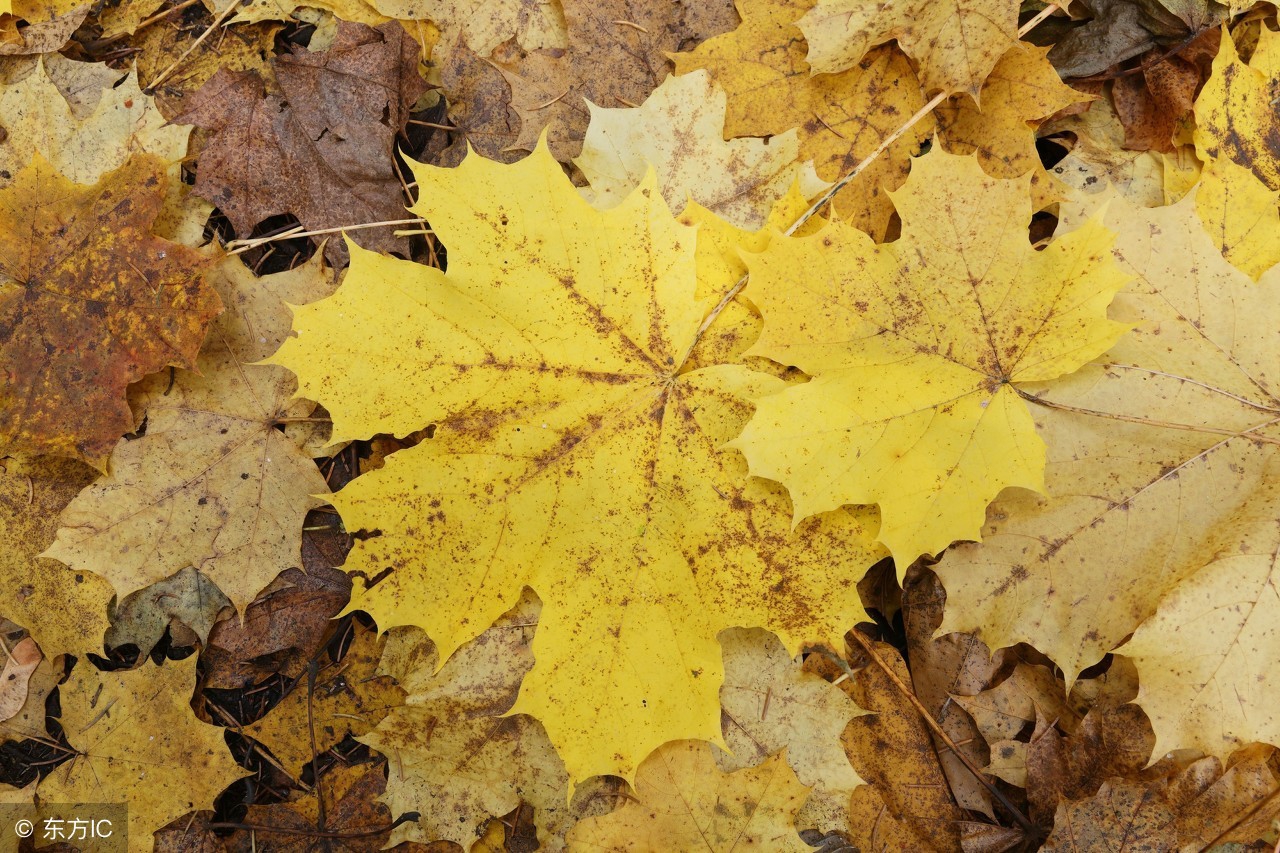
(254, 242)
(1021, 819)
(217, 22)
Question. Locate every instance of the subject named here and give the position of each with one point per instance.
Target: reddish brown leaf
(90, 301)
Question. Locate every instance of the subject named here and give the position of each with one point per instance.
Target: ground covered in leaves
(642, 424)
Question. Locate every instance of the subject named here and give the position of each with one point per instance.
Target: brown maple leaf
(322, 152)
(90, 301)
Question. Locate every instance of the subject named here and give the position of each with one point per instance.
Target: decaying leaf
(138, 742)
(955, 42)
(1161, 476)
(64, 610)
(771, 704)
(453, 757)
(1239, 212)
(839, 118)
(1235, 111)
(684, 802)
(352, 813)
(186, 602)
(1022, 90)
(20, 662)
(482, 25)
(572, 453)
(892, 750)
(678, 133)
(348, 697)
(213, 484)
(917, 352)
(83, 145)
(323, 150)
(89, 302)
(550, 88)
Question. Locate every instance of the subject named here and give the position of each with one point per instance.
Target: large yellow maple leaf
(1163, 485)
(915, 348)
(573, 451)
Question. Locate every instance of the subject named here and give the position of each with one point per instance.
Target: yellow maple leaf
(678, 131)
(1235, 111)
(482, 25)
(572, 452)
(138, 742)
(1240, 214)
(956, 42)
(839, 118)
(1022, 90)
(683, 802)
(1161, 475)
(915, 348)
(212, 484)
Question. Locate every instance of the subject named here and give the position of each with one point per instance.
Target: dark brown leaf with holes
(324, 151)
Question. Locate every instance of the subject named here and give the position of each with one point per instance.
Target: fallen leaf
(212, 484)
(1121, 816)
(771, 705)
(29, 722)
(1107, 743)
(955, 42)
(1240, 214)
(892, 750)
(678, 133)
(243, 47)
(89, 302)
(897, 395)
(188, 599)
(453, 757)
(323, 150)
(138, 742)
(348, 698)
(282, 630)
(479, 99)
(1115, 33)
(571, 454)
(65, 611)
(481, 26)
(1156, 476)
(684, 802)
(83, 144)
(1157, 104)
(631, 38)
(19, 663)
(45, 36)
(1097, 158)
(1021, 91)
(940, 668)
(351, 809)
(1235, 111)
(840, 118)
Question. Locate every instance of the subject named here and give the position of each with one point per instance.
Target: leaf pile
(630, 425)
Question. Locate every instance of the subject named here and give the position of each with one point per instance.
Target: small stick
(217, 22)
(246, 245)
